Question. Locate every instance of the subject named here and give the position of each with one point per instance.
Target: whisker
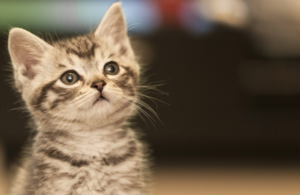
(153, 98)
(139, 103)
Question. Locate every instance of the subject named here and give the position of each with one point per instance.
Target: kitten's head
(91, 78)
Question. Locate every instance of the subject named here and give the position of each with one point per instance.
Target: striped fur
(83, 146)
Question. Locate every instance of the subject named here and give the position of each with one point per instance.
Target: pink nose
(99, 85)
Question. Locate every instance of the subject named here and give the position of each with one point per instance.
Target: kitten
(80, 93)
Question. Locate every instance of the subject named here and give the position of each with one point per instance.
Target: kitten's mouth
(101, 98)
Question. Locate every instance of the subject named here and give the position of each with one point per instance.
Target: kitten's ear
(26, 51)
(113, 25)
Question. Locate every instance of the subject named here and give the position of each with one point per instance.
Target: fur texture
(84, 144)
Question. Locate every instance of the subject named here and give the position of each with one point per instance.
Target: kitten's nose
(99, 85)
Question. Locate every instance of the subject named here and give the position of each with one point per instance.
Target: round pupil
(69, 78)
(111, 68)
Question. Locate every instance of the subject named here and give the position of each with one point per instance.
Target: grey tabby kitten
(80, 93)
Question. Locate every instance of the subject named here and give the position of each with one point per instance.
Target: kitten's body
(99, 161)
(83, 143)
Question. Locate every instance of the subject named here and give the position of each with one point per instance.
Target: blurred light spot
(192, 19)
(230, 12)
(75, 16)
(169, 10)
(142, 16)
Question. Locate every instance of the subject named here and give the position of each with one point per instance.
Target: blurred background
(232, 71)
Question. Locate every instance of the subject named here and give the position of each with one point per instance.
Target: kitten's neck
(81, 129)
(82, 139)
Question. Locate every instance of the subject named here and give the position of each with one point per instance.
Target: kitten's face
(86, 79)
(90, 79)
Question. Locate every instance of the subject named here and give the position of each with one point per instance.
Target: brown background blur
(233, 124)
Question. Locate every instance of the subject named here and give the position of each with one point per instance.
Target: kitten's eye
(69, 78)
(111, 68)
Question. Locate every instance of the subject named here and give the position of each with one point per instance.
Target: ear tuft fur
(113, 26)
(113, 23)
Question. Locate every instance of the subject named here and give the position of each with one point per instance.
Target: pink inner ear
(25, 57)
(29, 72)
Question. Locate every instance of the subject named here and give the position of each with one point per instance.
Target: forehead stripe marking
(62, 66)
(82, 53)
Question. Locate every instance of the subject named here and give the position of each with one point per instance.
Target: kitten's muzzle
(99, 97)
(99, 85)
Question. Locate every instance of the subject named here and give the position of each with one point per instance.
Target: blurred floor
(204, 180)
(227, 181)
(2, 171)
